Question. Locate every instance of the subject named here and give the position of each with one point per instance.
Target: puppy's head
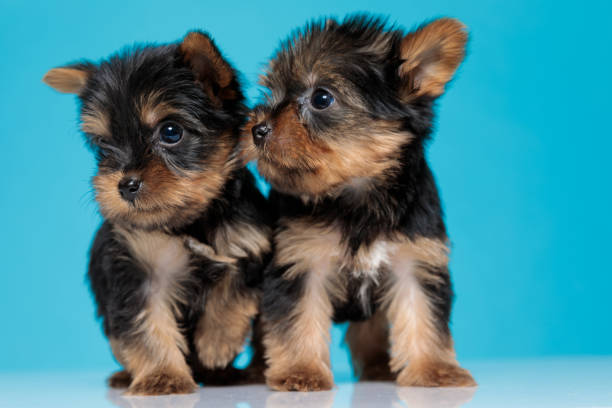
(164, 122)
(346, 98)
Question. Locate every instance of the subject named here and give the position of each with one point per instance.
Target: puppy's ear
(431, 55)
(211, 70)
(70, 79)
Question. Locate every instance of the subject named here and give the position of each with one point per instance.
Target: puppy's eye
(321, 99)
(170, 133)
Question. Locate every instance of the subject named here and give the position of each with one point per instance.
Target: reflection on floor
(559, 383)
(346, 394)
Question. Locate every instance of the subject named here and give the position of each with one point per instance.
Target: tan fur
(431, 56)
(226, 321)
(212, 71)
(166, 198)
(420, 353)
(152, 111)
(239, 240)
(167, 261)
(294, 161)
(197, 44)
(206, 251)
(413, 329)
(163, 382)
(290, 144)
(303, 244)
(435, 373)
(368, 261)
(429, 251)
(154, 354)
(66, 80)
(298, 359)
(153, 351)
(96, 123)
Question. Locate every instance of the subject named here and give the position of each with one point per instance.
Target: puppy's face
(162, 122)
(344, 99)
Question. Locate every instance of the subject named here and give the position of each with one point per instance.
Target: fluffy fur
(175, 267)
(361, 235)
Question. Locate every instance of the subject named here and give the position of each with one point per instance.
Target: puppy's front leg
(135, 278)
(224, 326)
(418, 306)
(297, 317)
(229, 308)
(155, 359)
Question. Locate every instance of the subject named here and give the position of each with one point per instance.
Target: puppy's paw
(119, 379)
(198, 247)
(217, 352)
(162, 383)
(205, 251)
(302, 380)
(435, 374)
(224, 327)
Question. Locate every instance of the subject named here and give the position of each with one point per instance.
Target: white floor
(559, 383)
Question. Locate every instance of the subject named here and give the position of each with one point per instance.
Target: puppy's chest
(164, 257)
(353, 280)
(360, 280)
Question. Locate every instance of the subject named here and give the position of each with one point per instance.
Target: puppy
(361, 236)
(175, 265)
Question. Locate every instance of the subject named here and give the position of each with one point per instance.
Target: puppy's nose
(129, 187)
(260, 133)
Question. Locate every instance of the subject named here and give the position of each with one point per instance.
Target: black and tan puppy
(175, 264)
(361, 236)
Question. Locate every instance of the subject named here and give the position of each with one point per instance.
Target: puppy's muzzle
(261, 131)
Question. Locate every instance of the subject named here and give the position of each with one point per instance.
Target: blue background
(521, 154)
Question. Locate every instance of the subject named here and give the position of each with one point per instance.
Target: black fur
(280, 295)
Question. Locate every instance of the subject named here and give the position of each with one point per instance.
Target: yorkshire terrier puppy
(361, 237)
(175, 266)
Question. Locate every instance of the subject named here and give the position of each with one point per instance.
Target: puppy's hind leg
(369, 345)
